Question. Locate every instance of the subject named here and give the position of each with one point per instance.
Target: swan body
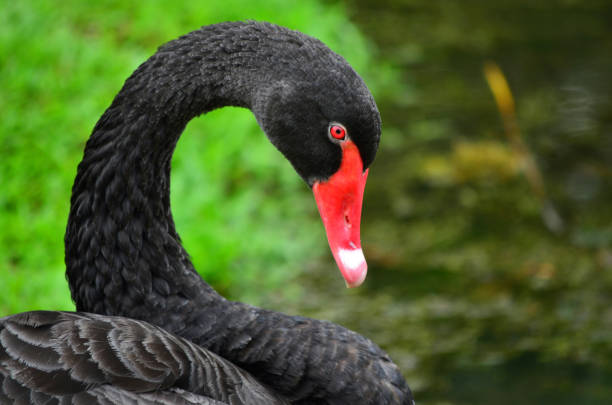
(126, 263)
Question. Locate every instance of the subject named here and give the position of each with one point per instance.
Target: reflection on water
(471, 292)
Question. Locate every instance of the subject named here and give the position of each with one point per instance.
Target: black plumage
(51, 357)
(124, 256)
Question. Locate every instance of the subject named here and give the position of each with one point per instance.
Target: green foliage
(244, 215)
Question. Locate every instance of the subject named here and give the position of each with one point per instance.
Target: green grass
(244, 215)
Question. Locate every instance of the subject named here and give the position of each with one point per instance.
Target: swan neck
(123, 254)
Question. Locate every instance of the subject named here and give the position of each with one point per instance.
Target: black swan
(125, 261)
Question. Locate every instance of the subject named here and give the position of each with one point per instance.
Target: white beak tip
(352, 266)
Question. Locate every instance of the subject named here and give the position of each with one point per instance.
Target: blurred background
(487, 220)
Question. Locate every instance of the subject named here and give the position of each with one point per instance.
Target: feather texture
(74, 358)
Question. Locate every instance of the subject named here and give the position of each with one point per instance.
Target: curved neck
(123, 254)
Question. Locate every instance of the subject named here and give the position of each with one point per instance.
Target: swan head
(324, 120)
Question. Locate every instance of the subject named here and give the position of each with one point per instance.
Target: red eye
(337, 131)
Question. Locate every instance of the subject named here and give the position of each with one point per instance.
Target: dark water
(485, 286)
(526, 380)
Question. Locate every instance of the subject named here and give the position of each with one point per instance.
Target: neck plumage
(123, 254)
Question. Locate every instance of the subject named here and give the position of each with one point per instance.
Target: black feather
(127, 361)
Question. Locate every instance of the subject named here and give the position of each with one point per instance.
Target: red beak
(339, 200)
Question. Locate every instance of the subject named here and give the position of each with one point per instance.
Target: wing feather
(50, 357)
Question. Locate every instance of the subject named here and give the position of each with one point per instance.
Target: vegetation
(244, 215)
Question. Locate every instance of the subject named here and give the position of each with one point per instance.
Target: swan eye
(337, 131)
